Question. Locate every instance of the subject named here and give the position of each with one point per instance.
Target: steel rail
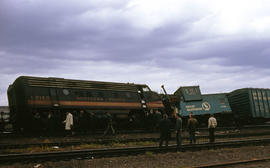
(97, 153)
(232, 163)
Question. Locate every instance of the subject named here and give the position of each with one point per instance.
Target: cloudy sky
(219, 45)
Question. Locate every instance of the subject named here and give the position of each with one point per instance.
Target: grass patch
(150, 154)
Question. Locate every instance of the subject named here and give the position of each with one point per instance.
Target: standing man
(212, 124)
(2, 122)
(178, 128)
(109, 124)
(68, 123)
(157, 119)
(82, 122)
(92, 122)
(164, 127)
(192, 126)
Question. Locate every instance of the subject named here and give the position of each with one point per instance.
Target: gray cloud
(51, 38)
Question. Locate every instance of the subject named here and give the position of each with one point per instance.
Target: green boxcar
(250, 104)
(190, 100)
(210, 104)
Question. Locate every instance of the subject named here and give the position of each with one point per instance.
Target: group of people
(164, 126)
(192, 124)
(69, 123)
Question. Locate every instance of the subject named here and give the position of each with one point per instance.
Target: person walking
(68, 123)
(192, 126)
(178, 129)
(164, 127)
(212, 124)
(109, 124)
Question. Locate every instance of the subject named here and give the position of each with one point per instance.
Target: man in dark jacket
(178, 129)
(109, 124)
(164, 127)
(192, 126)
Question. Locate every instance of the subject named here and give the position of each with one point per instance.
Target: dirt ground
(166, 160)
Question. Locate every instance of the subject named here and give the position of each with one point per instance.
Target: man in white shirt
(68, 123)
(212, 124)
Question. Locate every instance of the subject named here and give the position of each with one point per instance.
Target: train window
(146, 89)
(53, 92)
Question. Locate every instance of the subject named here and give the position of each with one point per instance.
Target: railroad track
(97, 153)
(113, 140)
(233, 163)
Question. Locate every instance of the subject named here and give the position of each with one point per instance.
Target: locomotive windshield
(146, 89)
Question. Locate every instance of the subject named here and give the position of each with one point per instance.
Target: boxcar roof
(76, 84)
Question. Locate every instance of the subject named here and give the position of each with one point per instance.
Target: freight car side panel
(210, 104)
(260, 103)
(250, 103)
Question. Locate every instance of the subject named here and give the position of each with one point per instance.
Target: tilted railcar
(250, 105)
(28, 96)
(189, 99)
(202, 105)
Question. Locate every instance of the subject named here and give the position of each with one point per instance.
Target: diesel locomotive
(37, 97)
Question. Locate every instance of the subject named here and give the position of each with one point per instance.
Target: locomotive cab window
(146, 89)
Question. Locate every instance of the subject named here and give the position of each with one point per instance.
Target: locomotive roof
(77, 84)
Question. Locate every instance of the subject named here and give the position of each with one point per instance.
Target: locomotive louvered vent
(79, 84)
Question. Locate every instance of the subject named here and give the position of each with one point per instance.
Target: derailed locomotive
(29, 96)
